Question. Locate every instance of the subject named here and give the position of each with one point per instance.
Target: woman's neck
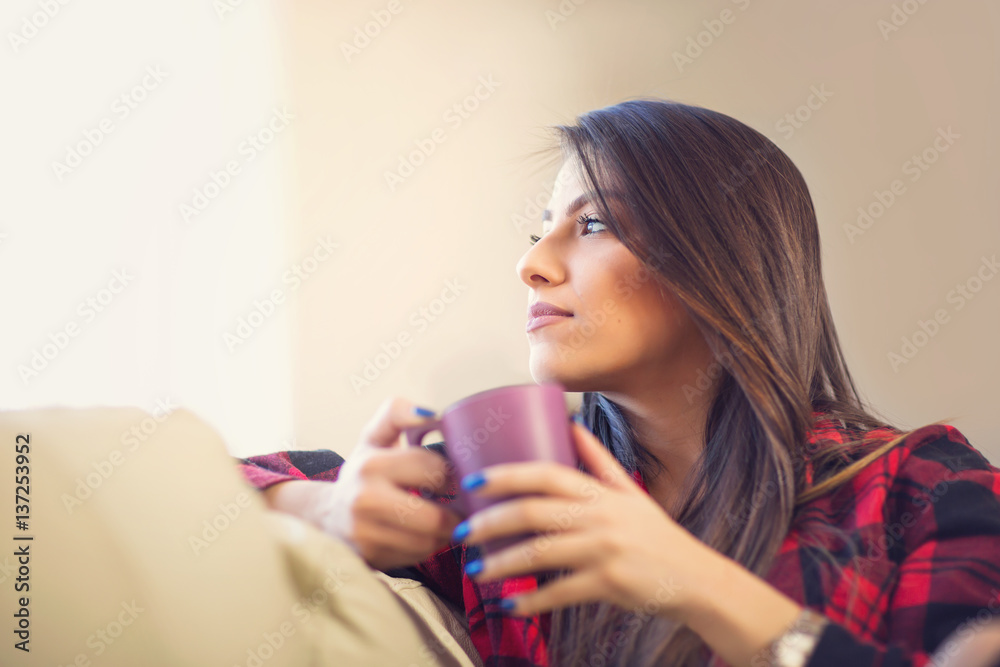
(672, 428)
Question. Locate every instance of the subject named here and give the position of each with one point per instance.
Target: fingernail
(473, 480)
(578, 418)
(506, 604)
(461, 530)
(422, 412)
(474, 567)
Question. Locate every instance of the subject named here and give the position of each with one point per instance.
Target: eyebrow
(580, 201)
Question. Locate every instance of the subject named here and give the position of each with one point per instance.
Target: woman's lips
(544, 320)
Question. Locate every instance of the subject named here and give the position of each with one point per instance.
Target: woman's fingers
(415, 467)
(555, 479)
(558, 551)
(599, 461)
(572, 589)
(385, 546)
(547, 478)
(520, 515)
(381, 502)
(393, 415)
(371, 504)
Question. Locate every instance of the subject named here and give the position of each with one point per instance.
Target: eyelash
(584, 219)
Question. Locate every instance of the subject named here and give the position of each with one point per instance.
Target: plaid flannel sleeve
(943, 531)
(269, 469)
(441, 572)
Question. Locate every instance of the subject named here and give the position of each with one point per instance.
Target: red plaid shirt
(923, 520)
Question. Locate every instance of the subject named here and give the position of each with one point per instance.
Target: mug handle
(415, 434)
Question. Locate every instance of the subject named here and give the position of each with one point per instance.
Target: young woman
(748, 508)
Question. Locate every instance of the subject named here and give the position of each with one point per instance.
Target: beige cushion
(151, 549)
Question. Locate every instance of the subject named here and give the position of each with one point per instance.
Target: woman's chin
(547, 372)
(543, 369)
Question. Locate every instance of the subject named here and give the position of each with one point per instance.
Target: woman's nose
(540, 265)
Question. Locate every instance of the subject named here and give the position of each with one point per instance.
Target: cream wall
(120, 118)
(887, 93)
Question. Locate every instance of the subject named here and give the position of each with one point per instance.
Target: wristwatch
(795, 646)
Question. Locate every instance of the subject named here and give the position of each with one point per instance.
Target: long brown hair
(720, 216)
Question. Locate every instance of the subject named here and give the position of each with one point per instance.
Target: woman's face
(625, 334)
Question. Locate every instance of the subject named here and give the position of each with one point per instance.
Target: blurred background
(278, 215)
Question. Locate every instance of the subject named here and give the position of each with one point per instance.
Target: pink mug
(516, 423)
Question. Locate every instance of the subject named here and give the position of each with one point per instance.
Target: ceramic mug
(511, 424)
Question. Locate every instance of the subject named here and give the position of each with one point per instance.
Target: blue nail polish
(473, 480)
(474, 567)
(423, 412)
(506, 604)
(461, 530)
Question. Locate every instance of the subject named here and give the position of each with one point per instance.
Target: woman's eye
(587, 220)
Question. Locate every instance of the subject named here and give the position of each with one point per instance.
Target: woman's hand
(370, 505)
(620, 545)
